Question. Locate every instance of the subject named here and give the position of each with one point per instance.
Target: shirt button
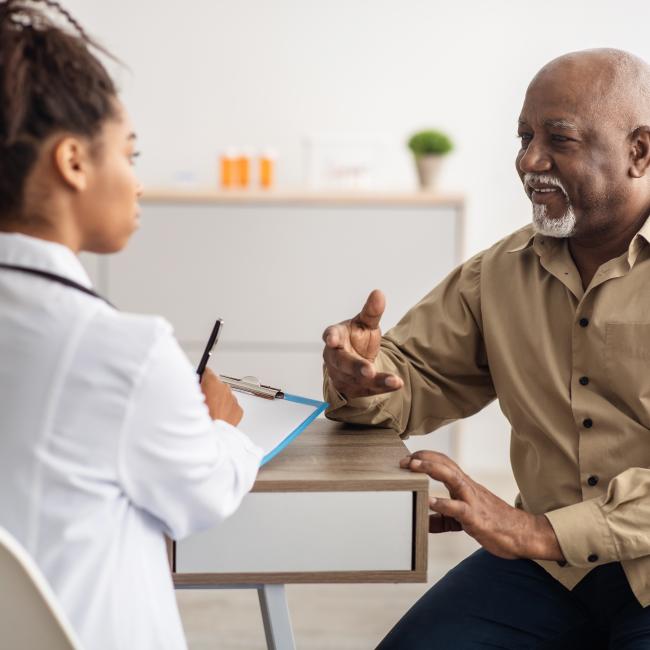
(561, 562)
(584, 322)
(592, 558)
(584, 380)
(592, 480)
(587, 423)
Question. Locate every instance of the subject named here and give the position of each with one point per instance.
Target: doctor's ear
(72, 158)
(640, 152)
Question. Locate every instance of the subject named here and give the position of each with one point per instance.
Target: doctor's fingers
(220, 400)
(230, 410)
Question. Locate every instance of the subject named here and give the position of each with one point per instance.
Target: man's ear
(640, 151)
(71, 162)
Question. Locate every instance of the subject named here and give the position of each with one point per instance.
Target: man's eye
(560, 138)
(525, 138)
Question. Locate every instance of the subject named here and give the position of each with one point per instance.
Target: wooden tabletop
(332, 457)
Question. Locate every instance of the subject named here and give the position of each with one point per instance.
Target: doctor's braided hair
(50, 81)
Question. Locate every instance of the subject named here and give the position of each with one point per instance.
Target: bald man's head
(609, 84)
(585, 143)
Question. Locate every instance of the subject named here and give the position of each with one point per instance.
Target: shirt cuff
(583, 534)
(336, 400)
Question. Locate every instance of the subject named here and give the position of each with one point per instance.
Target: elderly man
(554, 321)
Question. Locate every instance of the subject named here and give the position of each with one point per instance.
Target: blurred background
(330, 91)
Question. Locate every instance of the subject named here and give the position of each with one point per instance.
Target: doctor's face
(110, 207)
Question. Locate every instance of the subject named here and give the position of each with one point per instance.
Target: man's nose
(535, 159)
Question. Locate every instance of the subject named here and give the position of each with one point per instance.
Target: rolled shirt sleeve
(438, 351)
(175, 462)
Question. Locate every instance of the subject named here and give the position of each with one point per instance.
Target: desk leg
(275, 615)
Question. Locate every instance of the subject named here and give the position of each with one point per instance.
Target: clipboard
(272, 418)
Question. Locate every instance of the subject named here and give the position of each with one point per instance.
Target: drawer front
(307, 532)
(278, 274)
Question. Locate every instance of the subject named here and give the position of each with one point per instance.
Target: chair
(30, 616)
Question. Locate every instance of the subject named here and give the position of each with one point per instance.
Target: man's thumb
(373, 310)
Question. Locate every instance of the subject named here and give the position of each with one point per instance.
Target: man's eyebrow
(555, 123)
(561, 124)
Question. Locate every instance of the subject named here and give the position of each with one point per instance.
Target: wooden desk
(343, 512)
(324, 475)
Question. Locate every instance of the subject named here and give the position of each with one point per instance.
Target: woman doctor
(106, 439)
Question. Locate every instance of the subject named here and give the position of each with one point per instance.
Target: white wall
(208, 73)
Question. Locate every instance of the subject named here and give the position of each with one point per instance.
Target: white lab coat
(105, 443)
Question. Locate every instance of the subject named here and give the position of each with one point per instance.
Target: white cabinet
(279, 268)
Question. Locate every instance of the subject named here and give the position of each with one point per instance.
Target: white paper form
(273, 423)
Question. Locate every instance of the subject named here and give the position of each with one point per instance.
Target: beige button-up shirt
(571, 370)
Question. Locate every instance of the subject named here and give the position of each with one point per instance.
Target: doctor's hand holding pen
(351, 348)
(221, 402)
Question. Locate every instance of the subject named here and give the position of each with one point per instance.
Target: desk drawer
(307, 533)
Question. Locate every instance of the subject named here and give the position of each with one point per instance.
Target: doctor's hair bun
(50, 82)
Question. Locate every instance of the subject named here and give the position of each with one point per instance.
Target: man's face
(573, 156)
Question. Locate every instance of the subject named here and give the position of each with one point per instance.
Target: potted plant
(429, 147)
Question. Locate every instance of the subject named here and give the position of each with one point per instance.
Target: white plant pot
(428, 167)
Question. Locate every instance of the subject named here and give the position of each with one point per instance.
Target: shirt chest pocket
(627, 364)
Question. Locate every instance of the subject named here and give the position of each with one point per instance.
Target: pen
(212, 341)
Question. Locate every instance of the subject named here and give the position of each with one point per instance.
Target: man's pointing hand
(351, 348)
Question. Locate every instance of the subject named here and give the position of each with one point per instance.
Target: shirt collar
(22, 250)
(638, 242)
(543, 244)
(525, 244)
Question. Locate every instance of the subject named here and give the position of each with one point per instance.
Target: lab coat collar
(23, 250)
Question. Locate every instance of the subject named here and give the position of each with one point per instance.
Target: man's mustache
(534, 181)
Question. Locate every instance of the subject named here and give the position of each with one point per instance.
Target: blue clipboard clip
(252, 386)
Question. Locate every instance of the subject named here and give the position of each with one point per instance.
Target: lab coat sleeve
(187, 470)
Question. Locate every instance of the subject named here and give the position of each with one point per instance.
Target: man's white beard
(563, 226)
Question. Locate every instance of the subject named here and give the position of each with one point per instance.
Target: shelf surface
(305, 197)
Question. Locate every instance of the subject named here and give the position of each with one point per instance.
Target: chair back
(30, 616)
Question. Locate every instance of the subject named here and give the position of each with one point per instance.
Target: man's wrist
(542, 541)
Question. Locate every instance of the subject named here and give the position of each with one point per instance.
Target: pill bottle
(227, 168)
(266, 165)
(243, 169)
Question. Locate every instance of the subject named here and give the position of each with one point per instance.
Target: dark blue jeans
(487, 602)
